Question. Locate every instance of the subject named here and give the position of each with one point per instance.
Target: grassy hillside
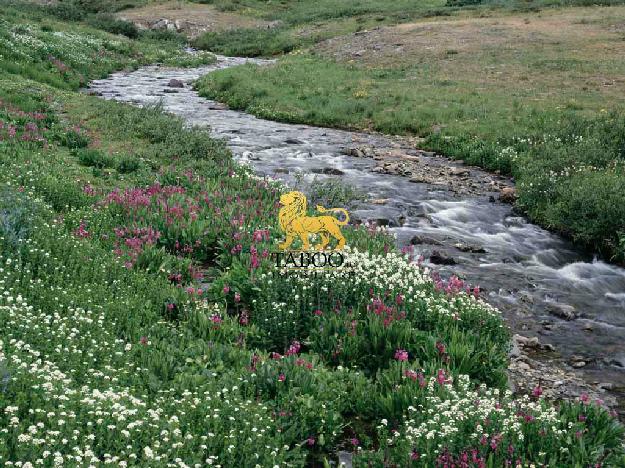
(538, 95)
(143, 324)
(301, 23)
(35, 42)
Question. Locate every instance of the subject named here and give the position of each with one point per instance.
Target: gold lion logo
(295, 223)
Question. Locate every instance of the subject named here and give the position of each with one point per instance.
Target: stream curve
(543, 285)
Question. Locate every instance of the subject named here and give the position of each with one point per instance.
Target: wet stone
(327, 171)
(507, 195)
(563, 311)
(441, 258)
(379, 201)
(416, 240)
(459, 171)
(174, 83)
(469, 248)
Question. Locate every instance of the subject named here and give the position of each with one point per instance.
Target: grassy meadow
(535, 93)
(143, 322)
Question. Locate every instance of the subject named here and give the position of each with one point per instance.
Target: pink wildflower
(401, 355)
(244, 318)
(293, 349)
(441, 378)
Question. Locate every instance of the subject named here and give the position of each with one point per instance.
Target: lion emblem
(295, 222)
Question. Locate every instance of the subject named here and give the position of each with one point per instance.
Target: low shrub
(68, 11)
(93, 158)
(110, 23)
(163, 35)
(249, 42)
(127, 164)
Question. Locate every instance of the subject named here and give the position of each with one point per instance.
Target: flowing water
(523, 269)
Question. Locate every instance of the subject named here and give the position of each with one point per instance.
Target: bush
(68, 11)
(16, 213)
(93, 158)
(127, 164)
(162, 35)
(461, 3)
(73, 139)
(109, 23)
(251, 42)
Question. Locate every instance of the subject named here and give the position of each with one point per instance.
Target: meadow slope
(143, 322)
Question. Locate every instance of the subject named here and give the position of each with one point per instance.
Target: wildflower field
(142, 322)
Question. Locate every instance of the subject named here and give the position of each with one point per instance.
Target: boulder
(382, 222)
(327, 171)
(251, 156)
(368, 152)
(380, 201)
(416, 240)
(174, 83)
(441, 258)
(563, 311)
(469, 248)
(507, 195)
(459, 171)
(160, 24)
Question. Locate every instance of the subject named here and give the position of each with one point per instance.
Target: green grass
(37, 45)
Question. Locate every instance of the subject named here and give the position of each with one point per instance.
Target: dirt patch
(191, 19)
(580, 28)
(572, 54)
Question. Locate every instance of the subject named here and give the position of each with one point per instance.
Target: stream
(533, 276)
